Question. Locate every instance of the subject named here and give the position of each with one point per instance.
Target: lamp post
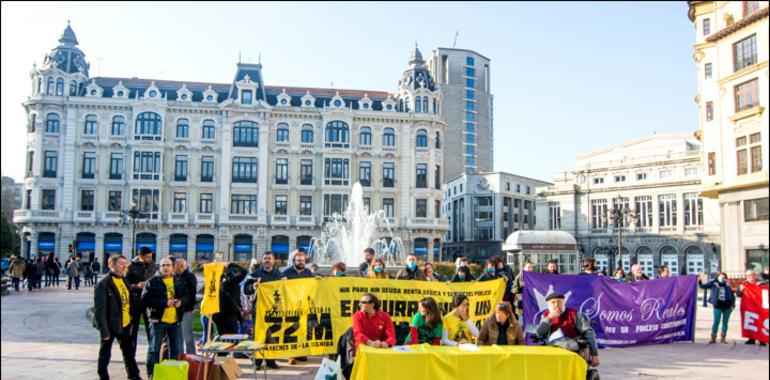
(133, 214)
(621, 216)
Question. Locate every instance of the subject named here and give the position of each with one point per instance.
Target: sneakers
(272, 365)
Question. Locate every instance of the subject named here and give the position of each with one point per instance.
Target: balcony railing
(305, 220)
(668, 229)
(693, 228)
(204, 218)
(307, 146)
(85, 216)
(243, 217)
(181, 141)
(177, 218)
(279, 220)
(111, 217)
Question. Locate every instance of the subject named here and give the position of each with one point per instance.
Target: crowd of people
(46, 272)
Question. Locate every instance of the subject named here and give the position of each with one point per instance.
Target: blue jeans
(724, 316)
(157, 332)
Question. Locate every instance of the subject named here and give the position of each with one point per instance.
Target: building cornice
(744, 22)
(745, 71)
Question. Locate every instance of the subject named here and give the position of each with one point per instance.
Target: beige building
(731, 54)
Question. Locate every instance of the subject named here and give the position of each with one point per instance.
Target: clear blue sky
(567, 77)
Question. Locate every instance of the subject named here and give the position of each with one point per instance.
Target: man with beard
(578, 335)
(141, 269)
(265, 273)
(298, 270)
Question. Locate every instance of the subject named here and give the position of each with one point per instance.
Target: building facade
(463, 77)
(237, 168)
(657, 179)
(483, 209)
(731, 55)
(11, 194)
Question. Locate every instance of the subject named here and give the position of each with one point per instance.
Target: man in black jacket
(140, 270)
(191, 284)
(265, 273)
(164, 296)
(112, 315)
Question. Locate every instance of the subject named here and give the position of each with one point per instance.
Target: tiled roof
(746, 21)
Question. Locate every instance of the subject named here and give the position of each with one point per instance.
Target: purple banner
(622, 314)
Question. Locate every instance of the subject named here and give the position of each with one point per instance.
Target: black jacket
(191, 283)
(263, 276)
(138, 272)
(108, 308)
(154, 297)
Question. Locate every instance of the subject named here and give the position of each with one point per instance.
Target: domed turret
(417, 74)
(67, 56)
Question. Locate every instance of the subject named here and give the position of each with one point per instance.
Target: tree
(9, 239)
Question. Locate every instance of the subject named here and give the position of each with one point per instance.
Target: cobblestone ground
(45, 335)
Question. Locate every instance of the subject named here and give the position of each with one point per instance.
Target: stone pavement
(45, 335)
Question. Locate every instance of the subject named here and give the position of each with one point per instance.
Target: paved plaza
(45, 335)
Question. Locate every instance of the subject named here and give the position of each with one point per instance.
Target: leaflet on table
(219, 346)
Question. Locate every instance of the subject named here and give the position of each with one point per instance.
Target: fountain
(346, 236)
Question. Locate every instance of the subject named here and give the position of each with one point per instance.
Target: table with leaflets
(235, 343)
(468, 362)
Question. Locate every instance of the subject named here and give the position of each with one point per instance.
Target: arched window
(337, 134)
(307, 134)
(417, 105)
(406, 104)
(282, 134)
(182, 129)
(425, 104)
(365, 137)
(49, 86)
(438, 140)
(422, 138)
(118, 125)
(52, 123)
(73, 88)
(435, 106)
(90, 126)
(246, 133)
(60, 87)
(148, 126)
(389, 137)
(208, 130)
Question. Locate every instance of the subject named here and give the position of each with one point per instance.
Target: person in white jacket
(457, 326)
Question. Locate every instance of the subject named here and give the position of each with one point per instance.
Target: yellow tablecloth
(491, 362)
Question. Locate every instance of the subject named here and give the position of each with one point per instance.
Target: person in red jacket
(372, 326)
(577, 335)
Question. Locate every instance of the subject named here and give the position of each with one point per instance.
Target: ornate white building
(236, 167)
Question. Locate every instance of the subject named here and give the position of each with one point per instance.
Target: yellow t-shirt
(169, 315)
(120, 283)
(456, 328)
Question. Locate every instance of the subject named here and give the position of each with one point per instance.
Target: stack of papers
(402, 348)
(249, 345)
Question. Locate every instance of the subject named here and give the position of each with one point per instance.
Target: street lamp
(621, 216)
(133, 214)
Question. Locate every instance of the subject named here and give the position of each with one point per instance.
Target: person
(73, 274)
(410, 271)
(518, 289)
(230, 308)
(266, 272)
(619, 275)
(430, 275)
(87, 274)
(426, 325)
(377, 269)
(40, 271)
(112, 313)
(164, 295)
(636, 274)
(664, 272)
(552, 267)
(723, 300)
(298, 270)
(575, 327)
(363, 268)
(463, 274)
(56, 271)
(338, 269)
(589, 267)
(29, 274)
(501, 328)
(457, 328)
(751, 278)
(140, 269)
(491, 272)
(372, 326)
(191, 285)
(16, 269)
(766, 275)
(95, 268)
(49, 270)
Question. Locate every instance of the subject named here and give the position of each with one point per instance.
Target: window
(424, 104)
(666, 173)
(207, 169)
(365, 173)
(116, 166)
(417, 105)
(598, 213)
(305, 205)
(422, 138)
(243, 204)
(282, 134)
(32, 123)
(49, 86)
(337, 171)
(90, 125)
(388, 206)
(470, 72)
(337, 134)
(470, 106)
(750, 7)
(246, 133)
(30, 163)
(244, 169)
(756, 152)
(438, 140)
(643, 208)
(182, 129)
(180, 168)
(246, 97)
(208, 130)
(712, 163)
(52, 123)
(89, 165)
(437, 178)
(180, 202)
(206, 203)
(115, 201)
(598, 180)
(742, 153)
(48, 199)
(746, 95)
(529, 190)
(306, 172)
(281, 171)
(755, 210)
(706, 26)
(470, 94)
(437, 209)
(388, 174)
(389, 137)
(707, 71)
(471, 83)
(469, 61)
(148, 126)
(335, 204)
(709, 111)
(365, 137)
(470, 116)
(421, 208)
(118, 125)
(526, 205)
(51, 162)
(518, 188)
(693, 209)
(641, 176)
(667, 210)
(307, 134)
(147, 165)
(689, 172)
(745, 52)
(422, 176)
(469, 127)
(60, 87)
(86, 200)
(554, 213)
(281, 205)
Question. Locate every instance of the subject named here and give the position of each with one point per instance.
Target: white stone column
(263, 175)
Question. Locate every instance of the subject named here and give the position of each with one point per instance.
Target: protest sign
(754, 312)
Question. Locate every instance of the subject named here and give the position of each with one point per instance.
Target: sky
(567, 78)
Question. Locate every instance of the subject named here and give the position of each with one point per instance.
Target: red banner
(754, 313)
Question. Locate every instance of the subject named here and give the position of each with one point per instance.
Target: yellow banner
(212, 272)
(306, 317)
